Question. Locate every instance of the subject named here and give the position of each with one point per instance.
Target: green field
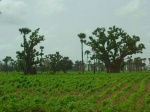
(123, 92)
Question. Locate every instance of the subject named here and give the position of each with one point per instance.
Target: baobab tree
(82, 36)
(24, 31)
(29, 54)
(113, 46)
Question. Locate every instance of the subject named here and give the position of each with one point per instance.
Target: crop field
(72, 92)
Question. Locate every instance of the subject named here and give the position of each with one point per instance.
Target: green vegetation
(29, 54)
(113, 46)
(72, 92)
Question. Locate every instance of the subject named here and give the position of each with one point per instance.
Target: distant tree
(1, 66)
(90, 64)
(46, 63)
(144, 63)
(66, 64)
(29, 54)
(144, 59)
(149, 60)
(94, 64)
(138, 64)
(41, 59)
(129, 63)
(55, 62)
(6, 60)
(101, 66)
(82, 36)
(87, 52)
(12, 64)
(113, 46)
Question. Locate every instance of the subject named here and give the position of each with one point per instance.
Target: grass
(73, 92)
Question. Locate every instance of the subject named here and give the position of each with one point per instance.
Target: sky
(60, 21)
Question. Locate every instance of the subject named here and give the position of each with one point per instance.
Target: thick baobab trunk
(113, 67)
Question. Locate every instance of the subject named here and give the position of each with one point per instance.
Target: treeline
(53, 63)
(109, 50)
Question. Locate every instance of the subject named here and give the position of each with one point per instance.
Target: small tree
(6, 60)
(138, 64)
(66, 64)
(77, 66)
(55, 62)
(29, 54)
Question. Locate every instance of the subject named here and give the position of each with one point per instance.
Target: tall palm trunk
(24, 57)
(82, 68)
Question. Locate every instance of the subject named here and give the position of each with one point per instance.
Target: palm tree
(82, 36)
(87, 52)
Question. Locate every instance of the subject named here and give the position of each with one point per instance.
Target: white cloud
(134, 8)
(21, 11)
(12, 11)
(49, 6)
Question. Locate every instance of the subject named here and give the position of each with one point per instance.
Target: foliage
(113, 46)
(56, 62)
(29, 54)
(73, 92)
(135, 64)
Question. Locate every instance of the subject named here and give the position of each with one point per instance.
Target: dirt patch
(139, 102)
(126, 95)
(111, 94)
(147, 86)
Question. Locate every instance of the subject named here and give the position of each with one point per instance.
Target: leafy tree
(77, 66)
(46, 63)
(29, 54)
(113, 46)
(130, 63)
(6, 60)
(55, 62)
(66, 64)
(82, 36)
(138, 64)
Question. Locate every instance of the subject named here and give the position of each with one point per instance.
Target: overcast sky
(60, 21)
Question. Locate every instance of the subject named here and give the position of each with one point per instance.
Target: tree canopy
(113, 46)
(29, 54)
